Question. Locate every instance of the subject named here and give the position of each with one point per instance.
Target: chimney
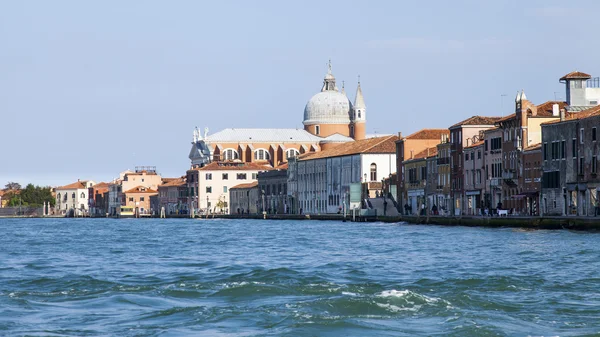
(562, 114)
(411, 154)
(400, 135)
(555, 112)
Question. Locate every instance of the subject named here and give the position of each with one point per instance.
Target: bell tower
(359, 118)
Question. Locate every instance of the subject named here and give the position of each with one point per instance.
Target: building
(463, 134)
(521, 130)
(331, 180)
(418, 201)
(139, 198)
(474, 179)
(492, 152)
(407, 148)
(172, 196)
(582, 91)
(330, 119)
(244, 198)
(216, 178)
(98, 205)
(73, 198)
(570, 163)
(273, 190)
(443, 172)
(532, 179)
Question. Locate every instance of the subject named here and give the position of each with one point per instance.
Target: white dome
(328, 107)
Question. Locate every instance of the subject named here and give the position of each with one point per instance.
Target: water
(150, 277)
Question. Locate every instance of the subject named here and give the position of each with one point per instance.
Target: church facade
(330, 119)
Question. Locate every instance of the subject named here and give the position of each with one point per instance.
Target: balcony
(416, 184)
(443, 161)
(508, 175)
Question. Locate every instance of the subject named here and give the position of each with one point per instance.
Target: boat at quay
(240, 277)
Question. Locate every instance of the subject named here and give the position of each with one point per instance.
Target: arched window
(373, 172)
(290, 153)
(73, 195)
(317, 129)
(261, 154)
(82, 195)
(58, 197)
(230, 154)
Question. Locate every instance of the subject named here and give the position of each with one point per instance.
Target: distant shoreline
(553, 223)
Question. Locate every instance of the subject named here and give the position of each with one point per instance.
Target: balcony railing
(443, 161)
(508, 175)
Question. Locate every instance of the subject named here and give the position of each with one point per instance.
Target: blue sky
(89, 89)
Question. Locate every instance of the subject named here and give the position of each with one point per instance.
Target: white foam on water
(408, 295)
(395, 308)
(347, 293)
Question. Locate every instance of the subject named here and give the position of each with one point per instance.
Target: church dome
(328, 107)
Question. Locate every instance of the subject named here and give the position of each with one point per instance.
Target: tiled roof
(283, 166)
(141, 189)
(479, 143)
(478, 120)
(591, 112)
(576, 75)
(545, 109)
(429, 134)
(247, 185)
(533, 147)
(73, 186)
(234, 166)
(232, 135)
(371, 145)
(174, 182)
(427, 153)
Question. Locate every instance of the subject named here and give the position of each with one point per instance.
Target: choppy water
(82, 277)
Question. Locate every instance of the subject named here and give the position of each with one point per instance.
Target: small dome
(328, 107)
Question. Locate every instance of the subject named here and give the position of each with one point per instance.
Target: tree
(11, 185)
(36, 195)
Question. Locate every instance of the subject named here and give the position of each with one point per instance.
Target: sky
(91, 88)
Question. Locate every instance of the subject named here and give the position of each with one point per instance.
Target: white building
(328, 181)
(74, 196)
(215, 180)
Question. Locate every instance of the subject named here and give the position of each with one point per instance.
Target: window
(466, 156)
(82, 195)
(225, 176)
(290, 153)
(317, 129)
(593, 103)
(130, 199)
(594, 164)
(208, 189)
(254, 175)
(580, 168)
(574, 148)
(230, 154)
(577, 84)
(208, 176)
(563, 149)
(373, 172)
(478, 154)
(261, 154)
(224, 189)
(581, 136)
(594, 134)
(545, 152)
(241, 176)
(142, 198)
(73, 195)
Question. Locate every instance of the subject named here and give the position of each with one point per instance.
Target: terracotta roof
(575, 75)
(533, 147)
(429, 134)
(478, 120)
(1, 193)
(234, 166)
(479, 143)
(370, 145)
(174, 182)
(167, 180)
(73, 186)
(248, 185)
(427, 153)
(101, 185)
(545, 109)
(141, 189)
(283, 166)
(570, 116)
